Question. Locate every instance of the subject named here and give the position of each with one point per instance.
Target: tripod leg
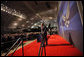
(16, 48)
(42, 51)
(12, 46)
(39, 50)
(22, 49)
(45, 51)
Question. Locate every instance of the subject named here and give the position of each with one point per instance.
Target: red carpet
(57, 46)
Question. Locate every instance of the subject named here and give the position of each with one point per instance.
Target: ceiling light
(32, 27)
(20, 19)
(50, 17)
(37, 14)
(22, 25)
(35, 24)
(32, 18)
(12, 11)
(15, 24)
(27, 21)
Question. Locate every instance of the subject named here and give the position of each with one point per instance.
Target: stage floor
(57, 46)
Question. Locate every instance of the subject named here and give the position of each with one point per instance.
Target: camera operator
(44, 32)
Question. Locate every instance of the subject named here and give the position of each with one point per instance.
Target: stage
(57, 46)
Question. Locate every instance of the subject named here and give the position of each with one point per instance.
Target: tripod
(42, 45)
(19, 39)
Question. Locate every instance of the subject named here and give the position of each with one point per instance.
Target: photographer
(44, 32)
